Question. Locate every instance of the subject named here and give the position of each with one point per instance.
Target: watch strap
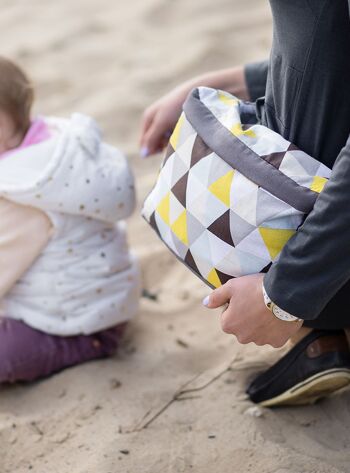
(277, 311)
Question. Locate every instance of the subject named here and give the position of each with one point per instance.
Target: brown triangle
(223, 277)
(275, 158)
(265, 270)
(199, 150)
(221, 228)
(169, 151)
(191, 262)
(179, 189)
(153, 223)
(292, 147)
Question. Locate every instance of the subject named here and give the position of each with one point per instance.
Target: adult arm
(160, 118)
(312, 267)
(256, 78)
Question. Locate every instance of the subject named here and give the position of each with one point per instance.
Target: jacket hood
(73, 172)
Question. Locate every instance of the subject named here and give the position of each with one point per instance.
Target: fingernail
(144, 152)
(206, 301)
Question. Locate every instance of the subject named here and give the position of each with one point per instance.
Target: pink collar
(38, 132)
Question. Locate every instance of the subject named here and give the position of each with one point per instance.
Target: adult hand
(160, 118)
(159, 121)
(246, 316)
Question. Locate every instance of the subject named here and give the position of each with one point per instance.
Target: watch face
(283, 315)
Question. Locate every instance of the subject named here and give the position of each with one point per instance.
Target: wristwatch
(277, 311)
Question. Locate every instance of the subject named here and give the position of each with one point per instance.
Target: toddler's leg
(27, 354)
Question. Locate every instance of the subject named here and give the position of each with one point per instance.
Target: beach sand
(173, 400)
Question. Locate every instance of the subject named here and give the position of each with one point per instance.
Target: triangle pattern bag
(230, 192)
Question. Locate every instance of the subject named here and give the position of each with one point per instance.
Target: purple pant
(27, 354)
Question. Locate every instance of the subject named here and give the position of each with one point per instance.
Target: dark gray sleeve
(315, 263)
(256, 77)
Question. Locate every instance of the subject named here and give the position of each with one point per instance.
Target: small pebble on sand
(254, 411)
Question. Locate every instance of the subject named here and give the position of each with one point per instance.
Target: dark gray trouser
(308, 102)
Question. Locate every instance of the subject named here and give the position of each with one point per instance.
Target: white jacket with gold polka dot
(85, 279)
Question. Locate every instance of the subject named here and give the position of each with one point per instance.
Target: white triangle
(324, 171)
(200, 251)
(164, 231)
(284, 220)
(240, 188)
(165, 174)
(218, 248)
(218, 168)
(290, 166)
(203, 265)
(148, 207)
(304, 181)
(251, 264)
(246, 206)
(206, 208)
(268, 142)
(227, 119)
(307, 162)
(187, 131)
(230, 265)
(178, 169)
(268, 206)
(185, 150)
(176, 209)
(254, 245)
(166, 234)
(160, 191)
(195, 188)
(202, 169)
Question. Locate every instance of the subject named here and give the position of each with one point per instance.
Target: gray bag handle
(239, 156)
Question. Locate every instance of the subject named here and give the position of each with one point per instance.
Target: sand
(173, 400)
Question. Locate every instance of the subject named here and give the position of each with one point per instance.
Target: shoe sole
(312, 389)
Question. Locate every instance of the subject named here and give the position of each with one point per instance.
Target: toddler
(68, 283)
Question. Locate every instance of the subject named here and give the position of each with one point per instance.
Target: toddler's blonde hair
(16, 94)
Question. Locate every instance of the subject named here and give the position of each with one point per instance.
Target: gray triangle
(239, 228)
(309, 164)
(194, 228)
(180, 247)
(268, 207)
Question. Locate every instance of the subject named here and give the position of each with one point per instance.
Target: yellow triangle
(275, 239)
(318, 184)
(164, 208)
(238, 131)
(213, 278)
(174, 139)
(222, 188)
(179, 227)
(227, 100)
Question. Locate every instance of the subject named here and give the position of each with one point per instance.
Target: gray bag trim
(239, 156)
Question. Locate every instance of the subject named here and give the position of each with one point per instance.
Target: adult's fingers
(146, 122)
(226, 320)
(219, 297)
(154, 137)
